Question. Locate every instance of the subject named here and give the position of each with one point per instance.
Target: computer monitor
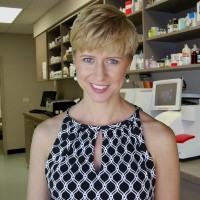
(167, 94)
(47, 96)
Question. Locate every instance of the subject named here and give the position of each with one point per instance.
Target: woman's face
(100, 75)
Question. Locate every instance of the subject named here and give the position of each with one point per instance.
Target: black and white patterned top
(127, 170)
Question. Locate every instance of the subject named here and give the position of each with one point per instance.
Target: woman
(103, 147)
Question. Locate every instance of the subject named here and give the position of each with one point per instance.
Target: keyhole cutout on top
(98, 152)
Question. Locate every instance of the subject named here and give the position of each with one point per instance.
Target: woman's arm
(160, 141)
(43, 139)
(167, 167)
(37, 184)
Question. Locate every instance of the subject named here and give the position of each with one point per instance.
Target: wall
(18, 81)
(191, 78)
(58, 13)
(69, 89)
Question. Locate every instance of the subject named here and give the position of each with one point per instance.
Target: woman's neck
(94, 113)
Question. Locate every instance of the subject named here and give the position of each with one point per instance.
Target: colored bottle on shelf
(175, 24)
(167, 61)
(186, 52)
(195, 52)
(198, 58)
(162, 63)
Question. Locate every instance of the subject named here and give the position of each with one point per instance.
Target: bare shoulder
(154, 126)
(161, 143)
(50, 125)
(158, 137)
(42, 142)
(46, 132)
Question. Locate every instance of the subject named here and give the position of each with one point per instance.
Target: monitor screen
(47, 96)
(167, 94)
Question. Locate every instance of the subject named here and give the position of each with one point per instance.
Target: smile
(99, 88)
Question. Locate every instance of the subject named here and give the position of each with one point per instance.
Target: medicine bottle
(175, 24)
(186, 53)
(170, 27)
(162, 63)
(195, 52)
(167, 61)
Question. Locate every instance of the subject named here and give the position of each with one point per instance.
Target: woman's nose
(100, 71)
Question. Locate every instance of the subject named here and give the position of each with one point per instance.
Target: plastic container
(128, 7)
(186, 53)
(198, 11)
(179, 59)
(181, 24)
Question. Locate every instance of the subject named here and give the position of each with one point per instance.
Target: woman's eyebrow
(84, 55)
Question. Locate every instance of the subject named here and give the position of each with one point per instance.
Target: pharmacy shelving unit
(44, 51)
(63, 27)
(61, 30)
(157, 14)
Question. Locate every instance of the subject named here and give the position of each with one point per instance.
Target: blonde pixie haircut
(103, 27)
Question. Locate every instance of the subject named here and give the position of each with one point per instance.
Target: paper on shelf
(44, 70)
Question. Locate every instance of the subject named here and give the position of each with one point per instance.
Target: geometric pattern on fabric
(127, 170)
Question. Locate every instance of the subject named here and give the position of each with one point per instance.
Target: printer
(186, 126)
(58, 106)
(185, 122)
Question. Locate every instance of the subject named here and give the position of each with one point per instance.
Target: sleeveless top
(127, 170)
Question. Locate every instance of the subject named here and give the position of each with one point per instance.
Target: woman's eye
(113, 61)
(88, 60)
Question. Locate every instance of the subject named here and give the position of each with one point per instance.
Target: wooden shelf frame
(156, 14)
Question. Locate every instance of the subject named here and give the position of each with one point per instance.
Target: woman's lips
(99, 88)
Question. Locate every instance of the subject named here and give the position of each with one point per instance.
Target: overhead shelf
(167, 69)
(178, 36)
(172, 6)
